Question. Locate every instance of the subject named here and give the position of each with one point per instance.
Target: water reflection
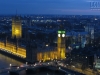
(5, 61)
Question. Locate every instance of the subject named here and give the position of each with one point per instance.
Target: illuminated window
(16, 31)
(63, 35)
(58, 35)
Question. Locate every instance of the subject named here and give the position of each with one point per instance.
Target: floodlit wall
(11, 48)
(16, 27)
(58, 53)
(49, 55)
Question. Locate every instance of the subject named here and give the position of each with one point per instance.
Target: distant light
(47, 45)
(10, 65)
(96, 19)
(17, 67)
(73, 66)
(59, 67)
(69, 47)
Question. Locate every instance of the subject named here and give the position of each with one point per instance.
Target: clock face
(63, 35)
(58, 35)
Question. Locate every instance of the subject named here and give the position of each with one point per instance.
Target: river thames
(5, 62)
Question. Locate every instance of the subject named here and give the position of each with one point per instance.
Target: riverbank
(13, 56)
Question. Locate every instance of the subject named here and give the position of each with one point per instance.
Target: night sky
(64, 7)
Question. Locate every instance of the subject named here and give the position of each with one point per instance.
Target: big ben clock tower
(61, 43)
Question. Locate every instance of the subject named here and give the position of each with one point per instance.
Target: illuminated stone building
(51, 53)
(16, 27)
(32, 52)
(61, 44)
(11, 48)
(48, 53)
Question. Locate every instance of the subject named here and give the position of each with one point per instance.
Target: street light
(10, 65)
(40, 61)
(17, 67)
(59, 67)
(73, 66)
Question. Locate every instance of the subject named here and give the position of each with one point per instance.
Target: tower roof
(16, 17)
(61, 27)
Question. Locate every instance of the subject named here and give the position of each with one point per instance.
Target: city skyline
(63, 7)
(70, 43)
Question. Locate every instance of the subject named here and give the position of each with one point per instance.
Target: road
(72, 67)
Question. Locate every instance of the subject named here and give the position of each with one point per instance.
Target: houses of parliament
(31, 52)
